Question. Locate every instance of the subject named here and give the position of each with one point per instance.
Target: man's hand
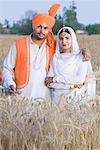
(48, 81)
(86, 54)
(1, 81)
(13, 90)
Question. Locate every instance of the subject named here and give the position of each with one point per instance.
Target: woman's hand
(78, 86)
(48, 81)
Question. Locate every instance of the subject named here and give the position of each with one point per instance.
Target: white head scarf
(75, 46)
(74, 58)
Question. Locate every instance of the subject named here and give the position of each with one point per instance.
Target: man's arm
(8, 66)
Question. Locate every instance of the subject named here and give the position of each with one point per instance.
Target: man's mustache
(41, 33)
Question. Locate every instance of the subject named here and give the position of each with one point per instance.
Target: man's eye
(45, 28)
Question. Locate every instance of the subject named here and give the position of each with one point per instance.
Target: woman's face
(65, 42)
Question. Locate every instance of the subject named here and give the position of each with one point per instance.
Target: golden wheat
(47, 126)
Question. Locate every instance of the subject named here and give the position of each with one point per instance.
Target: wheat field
(43, 125)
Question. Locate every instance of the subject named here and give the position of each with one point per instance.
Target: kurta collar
(31, 41)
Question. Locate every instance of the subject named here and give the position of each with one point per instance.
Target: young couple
(27, 65)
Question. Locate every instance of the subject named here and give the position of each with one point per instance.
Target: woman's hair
(64, 30)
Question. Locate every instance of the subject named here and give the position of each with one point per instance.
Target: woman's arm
(78, 78)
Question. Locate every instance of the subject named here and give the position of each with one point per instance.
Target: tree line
(69, 18)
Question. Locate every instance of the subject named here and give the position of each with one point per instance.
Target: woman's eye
(67, 38)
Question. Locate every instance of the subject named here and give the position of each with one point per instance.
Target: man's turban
(46, 18)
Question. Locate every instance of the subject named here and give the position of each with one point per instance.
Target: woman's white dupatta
(91, 85)
(71, 62)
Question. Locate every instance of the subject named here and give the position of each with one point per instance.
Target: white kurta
(35, 87)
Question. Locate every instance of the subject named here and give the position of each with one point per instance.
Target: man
(27, 63)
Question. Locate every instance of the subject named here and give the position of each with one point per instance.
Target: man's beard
(37, 37)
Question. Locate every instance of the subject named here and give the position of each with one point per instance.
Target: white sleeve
(51, 71)
(59, 79)
(79, 78)
(8, 66)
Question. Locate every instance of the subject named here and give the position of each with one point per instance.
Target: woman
(68, 70)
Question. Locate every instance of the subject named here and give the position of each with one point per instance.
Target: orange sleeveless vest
(22, 67)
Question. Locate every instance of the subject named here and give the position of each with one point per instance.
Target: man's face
(41, 31)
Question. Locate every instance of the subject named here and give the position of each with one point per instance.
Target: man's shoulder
(21, 39)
